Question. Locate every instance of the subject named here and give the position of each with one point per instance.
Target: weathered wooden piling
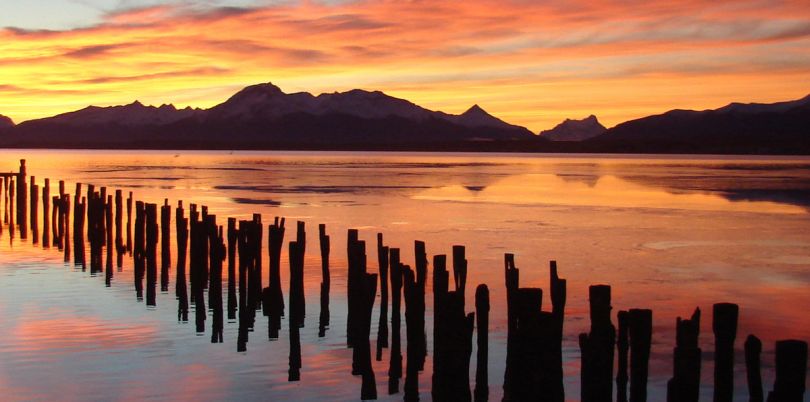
(481, 393)
(165, 244)
(273, 296)
(12, 212)
(198, 267)
(382, 326)
(232, 301)
(64, 227)
(5, 199)
(296, 256)
(420, 336)
(559, 293)
(685, 383)
(724, 326)
(22, 201)
(323, 321)
(414, 351)
(452, 330)
(108, 211)
(753, 350)
(129, 223)
(249, 235)
(151, 253)
(119, 228)
(353, 286)
(256, 288)
(216, 249)
(181, 290)
(361, 353)
(139, 249)
(597, 348)
(297, 251)
(395, 362)
(640, 330)
(46, 214)
(34, 210)
(791, 371)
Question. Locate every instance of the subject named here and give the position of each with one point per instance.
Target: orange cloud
(531, 63)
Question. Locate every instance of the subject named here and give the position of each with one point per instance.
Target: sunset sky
(532, 63)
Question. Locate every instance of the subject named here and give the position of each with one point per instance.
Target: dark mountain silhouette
(5, 122)
(263, 116)
(575, 130)
(782, 128)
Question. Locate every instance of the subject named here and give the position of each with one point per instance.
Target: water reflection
(665, 235)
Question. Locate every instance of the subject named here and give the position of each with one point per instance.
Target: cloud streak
(532, 63)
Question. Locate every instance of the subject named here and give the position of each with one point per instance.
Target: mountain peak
(5, 122)
(476, 116)
(739, 107)
(575, 130)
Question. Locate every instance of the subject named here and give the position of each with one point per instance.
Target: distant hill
(5, 122)
(575, 130)
(781, 128)
(263, 116)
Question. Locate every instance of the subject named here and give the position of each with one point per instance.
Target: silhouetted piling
(452, 330)
(597, 348)
(296, 256)
(481, 393)
(198, 267)
(273, 295)
(353, 286)
(382, 327)
(46, 214)
(232, 301)
(395, 362)
(753, 350)
(11, 212)
(119, 228)
(216, 247)
(138, 249)
(108, 213)
(791, 372)
(129, 223)
(255, 280)
(297, 298)
(151, 253)
(22, 201)
(323, 321)
(640, 329)
(415, 354)
(64, 227)
(165, 245)
(34, 210)
(249, 237)
(181, 290)
(419, 334)
(685, 383)
(559, 293)
(366, 291)
(724, 326)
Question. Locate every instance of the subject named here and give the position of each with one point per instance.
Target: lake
(668, 233)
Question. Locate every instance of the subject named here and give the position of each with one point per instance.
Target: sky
(532, 63)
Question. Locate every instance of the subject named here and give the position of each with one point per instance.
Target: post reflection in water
(669, 235)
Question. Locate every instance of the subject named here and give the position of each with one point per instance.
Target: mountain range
(264, 117)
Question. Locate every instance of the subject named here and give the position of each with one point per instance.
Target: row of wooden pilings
(534, 362)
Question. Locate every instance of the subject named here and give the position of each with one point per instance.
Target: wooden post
(151, 253)
(791, 371)
(34, 210)
(558, 288)
(296, 257)
(597, 348)
(623, 346)
(685, 383)
(181, 227)
(216, 247)
(22, 201)
(382, 327)
(139, 249)
(46, 214)
(109, 240)
(481, 392)
(232, 301)
(724, 326)
(753, 349)
(273, 298)
(395, 363)
(323, 321)
(640, 339)
(165, 244)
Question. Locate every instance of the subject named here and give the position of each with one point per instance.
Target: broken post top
(687, 331)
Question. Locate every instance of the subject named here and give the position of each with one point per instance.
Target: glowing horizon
(527, 63)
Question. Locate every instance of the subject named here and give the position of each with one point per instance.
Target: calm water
(667, 233)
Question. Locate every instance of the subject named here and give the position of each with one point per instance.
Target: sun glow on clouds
(530, 63)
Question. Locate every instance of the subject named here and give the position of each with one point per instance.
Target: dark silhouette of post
(623, 347)
(481, 392)
(181, 290)
(108, 218)
(216, 247)
(395, 362)
(323, 321)
(46, 214)
(753, 350)
(119, 228)
(640, 329)
(685, 383)
(382, 327)
(274, 297)
(165, 244)
(151, 253)
(791, 371)
(129, 222)
(296, 256)
(597, 348)
(22, 201)
(724, 326)
(34, 210)
(232, 301)
(138, 249)
(558, 297)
